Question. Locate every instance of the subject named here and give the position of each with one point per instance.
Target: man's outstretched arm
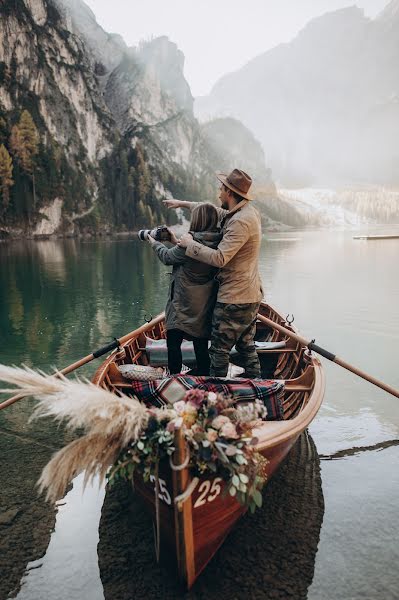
(172, 203)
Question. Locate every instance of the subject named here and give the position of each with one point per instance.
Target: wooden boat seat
(157, 354)
(299, 384)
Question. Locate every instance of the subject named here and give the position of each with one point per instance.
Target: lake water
(330, 522)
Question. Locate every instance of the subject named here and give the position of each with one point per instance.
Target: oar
(100, 352)
(312, 346)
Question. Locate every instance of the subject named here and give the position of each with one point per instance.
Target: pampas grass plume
(110, 421)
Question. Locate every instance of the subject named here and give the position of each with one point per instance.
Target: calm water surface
(330, 524)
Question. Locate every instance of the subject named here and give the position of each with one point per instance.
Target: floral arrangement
(219, 438)
(122, 432)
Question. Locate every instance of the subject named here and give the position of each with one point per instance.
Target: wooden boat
(193, 530)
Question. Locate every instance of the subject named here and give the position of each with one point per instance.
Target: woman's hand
(173, 239)
(150, 239)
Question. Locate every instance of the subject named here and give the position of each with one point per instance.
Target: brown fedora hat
(238, 181)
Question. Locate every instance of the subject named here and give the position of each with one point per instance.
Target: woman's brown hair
(204, 217)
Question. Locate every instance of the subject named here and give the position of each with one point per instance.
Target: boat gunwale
(271, 433)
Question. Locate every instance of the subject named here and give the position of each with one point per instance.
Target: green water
(60, 300)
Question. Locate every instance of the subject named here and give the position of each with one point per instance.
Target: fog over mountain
(93, 133)
(324, 106)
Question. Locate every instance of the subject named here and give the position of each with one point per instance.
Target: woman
(192, 293)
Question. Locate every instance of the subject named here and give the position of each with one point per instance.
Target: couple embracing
(212, 263)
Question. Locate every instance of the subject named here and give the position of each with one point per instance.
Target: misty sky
(216, 36)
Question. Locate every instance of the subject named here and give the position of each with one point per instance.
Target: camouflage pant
(234, 324)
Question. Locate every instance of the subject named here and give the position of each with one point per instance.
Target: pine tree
(143, 175)
(3, 131)
(25, 141)
(6, 180)
(24, 144)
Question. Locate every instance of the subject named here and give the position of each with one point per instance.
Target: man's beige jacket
(237, 255)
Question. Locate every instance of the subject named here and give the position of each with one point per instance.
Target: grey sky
(216, 36)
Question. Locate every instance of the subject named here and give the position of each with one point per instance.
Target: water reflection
(26, 521)
(69, 568)
(268, 555)
(51, 255)
(62, 299)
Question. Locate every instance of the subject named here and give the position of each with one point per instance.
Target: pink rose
(212, 435)
(195, 396)
(229, 431)
(196, 428)
(190, 408)
(219, 421)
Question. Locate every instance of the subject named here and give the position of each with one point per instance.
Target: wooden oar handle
(312, 346)
(100, 352)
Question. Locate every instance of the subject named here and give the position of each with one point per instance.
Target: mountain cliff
(93, 134)
(326, 105)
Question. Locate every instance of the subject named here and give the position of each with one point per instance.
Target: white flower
(212, 397)
(179, 407)
(178, 422)
(219, 421)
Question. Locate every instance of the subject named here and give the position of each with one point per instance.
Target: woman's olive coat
(193, 289)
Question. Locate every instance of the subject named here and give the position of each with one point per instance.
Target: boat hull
(194, 529)
(213, 511)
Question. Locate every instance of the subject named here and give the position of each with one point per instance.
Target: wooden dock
(376, 237)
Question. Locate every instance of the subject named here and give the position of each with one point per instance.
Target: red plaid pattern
(160, 392)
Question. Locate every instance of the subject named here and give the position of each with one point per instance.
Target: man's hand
(173, 238)
(171, 203)
(185, 240)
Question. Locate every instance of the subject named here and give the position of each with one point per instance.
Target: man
(237, 257)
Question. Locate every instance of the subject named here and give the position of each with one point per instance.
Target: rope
(191, 487)
(157, 530)
(183, 464)
(187, 493)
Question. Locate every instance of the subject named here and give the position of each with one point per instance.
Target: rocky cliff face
(326, 105)
(111, 128)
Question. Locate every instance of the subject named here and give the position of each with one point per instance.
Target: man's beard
(225, 205)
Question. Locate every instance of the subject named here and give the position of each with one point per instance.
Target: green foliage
(41, 171)
(6, 180)
(129, 197)
(10, 7)
(3, 131)
(24, 142)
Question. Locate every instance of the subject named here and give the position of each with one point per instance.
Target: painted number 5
(163, 493)
(208, 491)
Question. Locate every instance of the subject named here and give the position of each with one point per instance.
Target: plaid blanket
(171, 389)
